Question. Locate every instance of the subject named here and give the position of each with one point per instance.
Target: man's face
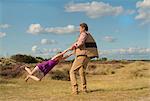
(82, 29)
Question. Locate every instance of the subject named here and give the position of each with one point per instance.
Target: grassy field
(100, 89)
(130, 82)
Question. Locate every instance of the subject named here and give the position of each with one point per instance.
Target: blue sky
(43, 27)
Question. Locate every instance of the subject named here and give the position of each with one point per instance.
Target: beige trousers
(79, 64)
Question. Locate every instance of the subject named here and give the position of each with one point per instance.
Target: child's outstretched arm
(67, 56)
(62, 53)
(65, 51)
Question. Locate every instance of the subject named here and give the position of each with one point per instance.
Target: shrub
(101, 70)
(60, 75)
(40, 58)
(24, 58)
(91, 67)
(11, 71)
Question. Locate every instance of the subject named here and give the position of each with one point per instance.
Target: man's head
(83, 27)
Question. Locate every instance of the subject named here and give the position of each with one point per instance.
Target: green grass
(101, 88)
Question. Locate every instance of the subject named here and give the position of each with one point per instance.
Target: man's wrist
(74, 47)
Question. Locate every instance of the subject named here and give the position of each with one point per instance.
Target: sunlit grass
(129, 82)
(50, 90)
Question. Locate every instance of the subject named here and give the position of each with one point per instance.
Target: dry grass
(129, 82)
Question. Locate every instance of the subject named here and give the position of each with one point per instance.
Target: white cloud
(44, 51)
(95, 9)
(143, 11)
(49, 52)
(38, 50)
(62, 30)
(34, 48)
(127, 51)
(4, 26)
(37, 29)
(143, 4)
(2, 34)
(46, 41)
(54, 50)
(109, 39)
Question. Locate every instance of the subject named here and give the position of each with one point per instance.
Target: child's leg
(33, 71)
(30, 72)
(33, 77)
(27, 78)
(36, 78)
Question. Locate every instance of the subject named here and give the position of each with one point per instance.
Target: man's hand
(72, 47)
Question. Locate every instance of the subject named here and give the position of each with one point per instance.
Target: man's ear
(83, 28)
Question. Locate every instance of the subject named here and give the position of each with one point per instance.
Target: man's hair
(84, 25)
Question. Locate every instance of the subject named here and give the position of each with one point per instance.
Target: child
(43, 68)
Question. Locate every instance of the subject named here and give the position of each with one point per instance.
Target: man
(85, 49)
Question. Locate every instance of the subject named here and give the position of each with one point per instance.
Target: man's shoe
(75, 93)
(85, 91)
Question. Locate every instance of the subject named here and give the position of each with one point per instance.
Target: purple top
(46, 66)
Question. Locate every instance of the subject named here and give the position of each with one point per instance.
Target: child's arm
(54, 57)
(65, 51)
(67, 56)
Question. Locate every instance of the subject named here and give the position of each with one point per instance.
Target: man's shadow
(97, 90)
(106, 90)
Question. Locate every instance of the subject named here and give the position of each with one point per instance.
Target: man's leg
(73, 78)
(83, 78)
(76, 65)
(82, 73)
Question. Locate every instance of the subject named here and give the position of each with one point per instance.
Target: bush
(40, 58)
(24, 58)
(101, 70)
(140, 72)
(107, 71)
(60, 75)
(102, 59)
(11, 71)
(91, 67)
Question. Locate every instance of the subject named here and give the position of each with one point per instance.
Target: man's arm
(80, 41)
